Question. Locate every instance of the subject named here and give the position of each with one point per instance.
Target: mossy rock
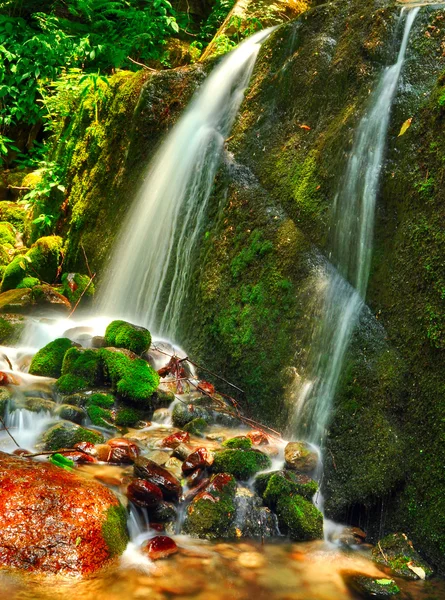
(396, 551)
(5, 258)
(28, 282)
(128, 417)
(33, 404)
(120, 334)
(70, 384)
(211, 513)
(42, 260)
(242, 464)
(114, 530)
(101, 417)
(270, 486)
(241, 442)
(196, 427)
(299, 518)
(49, 359)
(68, 412)
(85, 364)
(5, 397)
(102, 400)
(132, 379)
(13, 213)
(7, 234)
(11, 329)
(185, 413)
(164, 398)
(371, 587)
(65, 434)
(75, 284)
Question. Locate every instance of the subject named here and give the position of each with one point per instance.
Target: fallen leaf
(417, 570)
(406, 125)
(305, 127)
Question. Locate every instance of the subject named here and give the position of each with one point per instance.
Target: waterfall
(147, 276)
(352, 227)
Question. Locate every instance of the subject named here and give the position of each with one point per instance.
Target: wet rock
(33, 404)
(120, 334)
(301, 457)
(299, 518)
(175, 439)
(86, 447)
(97, 341)
(160, 458)
(76, 286)
(252, 519)
(242, 464)
(174, 465)
(273, 484)
(163, 512)
(371, 587)
(241, 442)
(129, 417)
(349, 536)
(195, 477)
(258, 438)
(66, 434)
(196, 427)
(160, 547)
(48, 361)
(143, 493)
(184, 413)
(211, 513)
(149, 470)
(5, 397)
(81, 370)
(397, 552)
(201, 458)
(78, 527)
(11, 329)
(122, 451)
(164, 398)
(68, 412)
(182, 451)
(78, 456)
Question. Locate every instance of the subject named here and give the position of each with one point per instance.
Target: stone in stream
(123, 451)
(275, 483)
(175, 439)
(196, 427)
(397, 552)
(301, 457)
(49, 359)
(149, 470)
(143, 493)
(120, 334)
(68, 412)
(66, 434)
(77, 456)
(242, 464)
(371, 588)
(55, 521)
(160, 546)
(241, 442)
(201, 458)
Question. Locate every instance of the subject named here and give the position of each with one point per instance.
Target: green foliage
(7, 234)
(49, 359)
(220, 10)
(61, 461)
(121, 334)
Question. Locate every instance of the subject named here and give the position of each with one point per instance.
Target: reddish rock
(195, 477)
(149, 470)
(122, 451)
(257, 438)
(143, 493)
(200, 458)
(175, 439)
(21, 452)
(79, 456)
(55, 521)
(8, 379)
(86, 447)
(160, 547)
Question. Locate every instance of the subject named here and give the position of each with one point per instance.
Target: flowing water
(147, 277)
(352, 228)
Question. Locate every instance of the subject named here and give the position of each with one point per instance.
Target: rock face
(53, 521)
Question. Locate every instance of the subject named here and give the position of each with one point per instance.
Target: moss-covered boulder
(128, 417)
(242, 464)
(131, 378)
(76, 285)
(397, 552)
(49, 360)
(270, 486)
(5, 397)
(79, 527)
(28, 282)
(185, 413)
(83, 364)
(372, 587)
(211, 513)
(240, 442)
(33, 404)
(11, 329)
(299, 518)
(68, 412)
(42, 261)
(13, 213)
(98, 407)
(65, 434)
(196, 427)
(121, 334)
(301, 457)
(7, 234)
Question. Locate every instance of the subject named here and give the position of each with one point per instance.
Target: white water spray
(150, 267)
(353, 226)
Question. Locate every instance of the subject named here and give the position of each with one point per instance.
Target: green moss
(132, 379)
(28, 282)
(241, 442)
(74, 285)
(114, 530)
(100, 416)
(396, 551)
(185, 413)
(121, 334)
(85, 364)
(211, 515)
(13, 213)
(102, 400)
(196, 427)
(48, 361)
(66, 434)
(42, 260)
(128, 417)
(11, 329)
(273, 485)
(242, 464)
(70, 384)
(7, 234)
(300, 518)
(5, 397)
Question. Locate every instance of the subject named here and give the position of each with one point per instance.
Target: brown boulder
(55, 521)
(301, 457)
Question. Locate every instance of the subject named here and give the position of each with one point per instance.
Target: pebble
(251, 560)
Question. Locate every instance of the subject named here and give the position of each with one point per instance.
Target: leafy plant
(93, 84)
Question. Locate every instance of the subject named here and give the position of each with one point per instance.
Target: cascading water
(147, 277)
(352, 227)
